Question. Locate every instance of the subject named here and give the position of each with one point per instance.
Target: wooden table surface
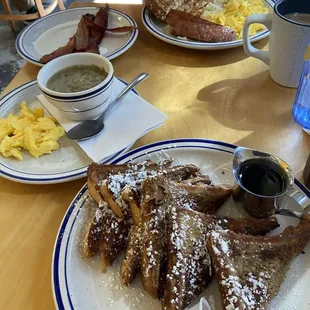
(222, 95)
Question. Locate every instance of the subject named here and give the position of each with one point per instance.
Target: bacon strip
(64, 50)
(122, 29)
(82, 35)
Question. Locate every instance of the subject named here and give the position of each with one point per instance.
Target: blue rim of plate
(22, 51)
(74, 174)
(151, 27)
(141, 151)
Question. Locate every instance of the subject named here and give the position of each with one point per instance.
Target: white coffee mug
(289, 40)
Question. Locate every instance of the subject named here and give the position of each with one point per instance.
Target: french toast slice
(94, 229)
(113, 240)
(111, 188)
(251, 269)
(201, 179)
(194, 193)
(254, 227)
(189, 264)
(105, 233)
(205, 198)
(153, 213)
(188, 174)
(189, 267)
(182, 172)
(97, 173)
(131, 262)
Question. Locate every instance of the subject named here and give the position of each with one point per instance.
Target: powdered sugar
(251, 290)
(191, 260)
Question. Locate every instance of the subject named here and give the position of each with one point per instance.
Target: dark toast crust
(254, 227)
(201, 197)
(181, 173)
(206, 198)
(258, 264)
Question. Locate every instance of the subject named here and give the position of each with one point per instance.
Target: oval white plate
(53, 31)
(67, 163)
(158, 29)
(78, 282)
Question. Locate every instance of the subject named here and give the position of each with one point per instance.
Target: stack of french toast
(164, 217)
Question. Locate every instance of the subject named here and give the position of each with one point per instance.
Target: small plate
(53, 31)
(158, 29)
(67, 163)
(78, 282)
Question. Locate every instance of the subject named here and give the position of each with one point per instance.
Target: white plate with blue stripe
(78, 282)
(159, 30)
(67, 163)
(53, 31)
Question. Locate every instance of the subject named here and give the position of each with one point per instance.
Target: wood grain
(222, 95)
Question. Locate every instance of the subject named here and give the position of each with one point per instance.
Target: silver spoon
(88, 129)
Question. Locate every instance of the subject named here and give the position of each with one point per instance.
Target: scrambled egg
(31, 131)
(235, 12)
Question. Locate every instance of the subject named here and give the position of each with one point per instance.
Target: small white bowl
(85, 115)
(83, 105)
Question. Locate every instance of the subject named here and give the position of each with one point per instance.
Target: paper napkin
(131, 118)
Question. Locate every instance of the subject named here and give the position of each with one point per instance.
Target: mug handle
(265, 19)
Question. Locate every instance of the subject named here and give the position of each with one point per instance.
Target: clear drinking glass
(301, 108)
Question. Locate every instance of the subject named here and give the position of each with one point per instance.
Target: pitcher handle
(295, 198)
(265, 19)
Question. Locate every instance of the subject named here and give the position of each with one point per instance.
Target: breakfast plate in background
(53, 31)
(78, 282)
(67, 163)
(161, 31)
